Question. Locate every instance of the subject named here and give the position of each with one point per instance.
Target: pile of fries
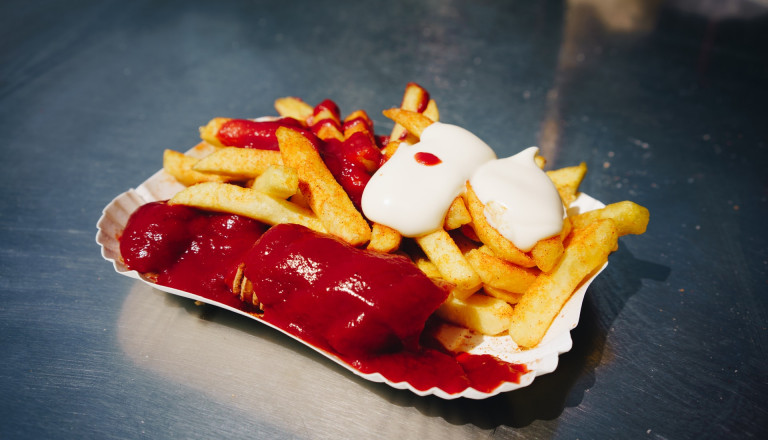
(496, 287)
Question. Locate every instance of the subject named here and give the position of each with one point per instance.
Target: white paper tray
(539, 360)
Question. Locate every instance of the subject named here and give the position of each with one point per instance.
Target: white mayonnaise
(521, 202)
(412, 197)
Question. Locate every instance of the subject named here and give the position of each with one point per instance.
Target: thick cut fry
(480, 313)
(454, 268)
(431, 111)
(546, 253)
(457, 215)
(326, 124)
(509, 297)
(587, 250)
(292, 107)
(415, 98)
(428, 267)
(224, 197)
(630, 217)
(326, 130)
(358, 122)
(414, 122)
(390, 149)
(277, 181)
(501, 274)
(567, 181)
(180, 167)
(240, 163)
(321, 190)
(209, 131)
(502, 247)
(384, 238)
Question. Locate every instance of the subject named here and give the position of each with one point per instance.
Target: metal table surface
(664, 101)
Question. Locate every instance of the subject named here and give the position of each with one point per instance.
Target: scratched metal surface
(665, 102)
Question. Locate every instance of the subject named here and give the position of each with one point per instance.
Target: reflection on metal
(267, 376)
(587, 26)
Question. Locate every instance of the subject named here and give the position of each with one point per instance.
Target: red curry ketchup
(189, 249)
(327, 292)
(370, 309)
(245, 133)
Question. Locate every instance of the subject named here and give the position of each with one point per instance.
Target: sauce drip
(427, 159)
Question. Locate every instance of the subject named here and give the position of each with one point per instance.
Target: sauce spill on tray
(370, 309)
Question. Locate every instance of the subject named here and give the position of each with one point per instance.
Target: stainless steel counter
(664, 101)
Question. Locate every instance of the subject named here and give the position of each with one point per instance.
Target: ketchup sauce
(353, 159)
(370, 309)
(244, 133)
(352, 163)
(189, 249)
(427, 159)
(346, 300)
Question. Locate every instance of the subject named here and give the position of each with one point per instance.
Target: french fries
(277, 181)
(181, 167)
(239, 163)
(495, 287)
(567, 181)
(457, 216)
(318, 186)
(384, 238)
(292, 107)
(414, 122)
(450, 262)
(500, 274)
(587, 250)
(225, 197)
(480, 313)
(630, 218)
(209, 130)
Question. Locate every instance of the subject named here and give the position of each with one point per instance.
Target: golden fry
(507, 296)
(209, 131)
(458, 215)
(224, 197)
(501, 274)
(587, 250)
(413, 100)
(630, 217)
(431, 111)
(239, 163)
(454, 268)
(321, 190)
(414, 122)
(567, 181)
(480, 313)
(292, 107)
(180, 167)
(384, 238)
(277, 181)
(546, 253)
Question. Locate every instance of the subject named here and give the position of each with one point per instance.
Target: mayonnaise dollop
(521, 202)
(412, 197)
